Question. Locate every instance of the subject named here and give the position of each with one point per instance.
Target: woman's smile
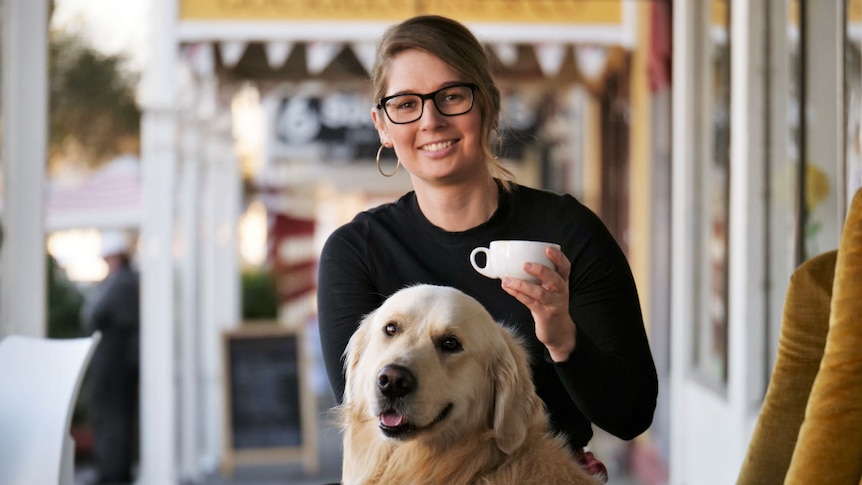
(435, 147)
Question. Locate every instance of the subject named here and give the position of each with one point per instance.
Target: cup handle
(484, 271)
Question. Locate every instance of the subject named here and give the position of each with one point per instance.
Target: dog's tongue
(391, 418)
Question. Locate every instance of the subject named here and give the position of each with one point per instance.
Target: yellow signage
(601, 12)
(273, 10)
(854, 11)
(551, 11)
(719, 13)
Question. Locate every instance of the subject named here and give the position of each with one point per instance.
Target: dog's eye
(391, 328)
(450, 344)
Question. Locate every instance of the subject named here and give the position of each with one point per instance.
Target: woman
(438, 106)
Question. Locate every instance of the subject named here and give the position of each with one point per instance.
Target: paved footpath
(329, 449)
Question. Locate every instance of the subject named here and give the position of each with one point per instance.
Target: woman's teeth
(433, 147)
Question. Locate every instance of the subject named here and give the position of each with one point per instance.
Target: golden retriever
(438, 393)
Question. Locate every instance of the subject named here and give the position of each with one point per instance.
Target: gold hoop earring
(380, 169)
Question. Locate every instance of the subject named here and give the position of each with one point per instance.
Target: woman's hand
(548, 301)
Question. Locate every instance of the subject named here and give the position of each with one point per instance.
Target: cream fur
(496, 432)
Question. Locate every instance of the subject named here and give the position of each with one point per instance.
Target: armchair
(810, 425)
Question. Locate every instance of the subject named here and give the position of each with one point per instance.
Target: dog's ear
(355, 347)
(515, 401)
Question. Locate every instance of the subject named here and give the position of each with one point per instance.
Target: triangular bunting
(277, 53)
(318, 55)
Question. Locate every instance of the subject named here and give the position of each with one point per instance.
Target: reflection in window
(710, 350)
(853, 98)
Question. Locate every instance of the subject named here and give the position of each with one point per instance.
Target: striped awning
(110, 198)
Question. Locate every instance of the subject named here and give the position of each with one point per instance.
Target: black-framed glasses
(453, 100)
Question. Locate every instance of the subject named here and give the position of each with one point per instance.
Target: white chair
(39, 383)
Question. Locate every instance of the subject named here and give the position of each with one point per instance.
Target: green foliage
(259, 296)
(92, 101)
(64, 303)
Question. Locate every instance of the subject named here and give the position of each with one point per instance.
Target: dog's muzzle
(395, 382)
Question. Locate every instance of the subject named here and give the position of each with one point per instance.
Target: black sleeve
(345, 294)
(611, 374)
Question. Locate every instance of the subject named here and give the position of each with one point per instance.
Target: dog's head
(432, 364)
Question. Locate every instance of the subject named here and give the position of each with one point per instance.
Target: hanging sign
(593, 12)
(322, 125)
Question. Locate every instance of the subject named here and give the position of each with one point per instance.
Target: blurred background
(719, 141)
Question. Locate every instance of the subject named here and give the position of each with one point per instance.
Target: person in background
(114, 309)
(437, 106)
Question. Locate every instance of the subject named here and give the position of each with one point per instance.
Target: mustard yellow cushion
(829, 448)
(804, 324)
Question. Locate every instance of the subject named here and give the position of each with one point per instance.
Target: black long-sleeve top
(609, 379)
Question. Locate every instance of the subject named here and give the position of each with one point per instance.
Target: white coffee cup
(507, 258)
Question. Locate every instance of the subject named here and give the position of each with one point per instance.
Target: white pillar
(229, 205)
(189, 281)
(158, 450)
(220, 280)
(212, 419)
(25, 138)
(746, 293)
(687, 22)
(199, 276)
(158, 352)
(212, 412)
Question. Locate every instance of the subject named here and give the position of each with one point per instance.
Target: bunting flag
(277, 53)
(200, 56)
(506, 52)
(364, 52)
(591, 61)
(319, 54)
(550, 57)
(231, 52)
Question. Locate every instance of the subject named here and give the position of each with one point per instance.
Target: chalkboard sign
(269, 411)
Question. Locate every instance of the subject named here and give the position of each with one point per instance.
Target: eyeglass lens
(450, 101)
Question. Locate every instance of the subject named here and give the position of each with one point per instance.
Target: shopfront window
(785, 219)
(710, 347)
(853, 97)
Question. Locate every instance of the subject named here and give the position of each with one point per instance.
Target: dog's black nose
(395, 381)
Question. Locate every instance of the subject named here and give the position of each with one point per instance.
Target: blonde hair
(454, 44)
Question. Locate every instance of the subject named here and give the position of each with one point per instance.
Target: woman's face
(436, 148)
